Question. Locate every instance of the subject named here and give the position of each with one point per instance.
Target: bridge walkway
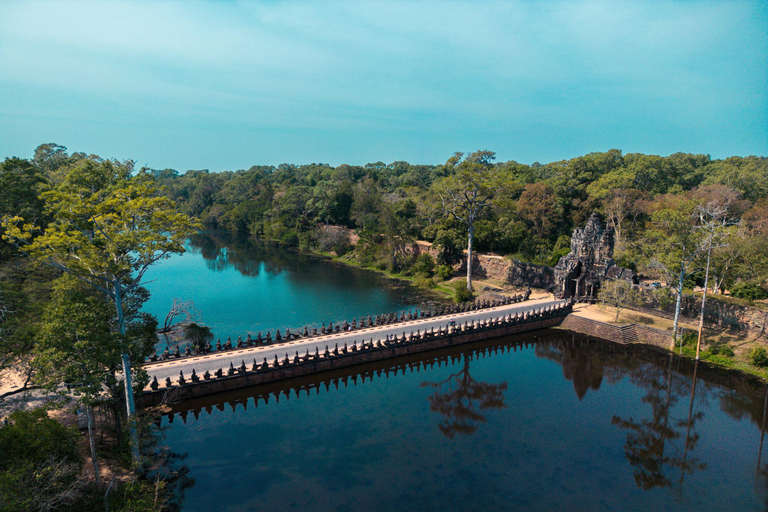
(214, 361)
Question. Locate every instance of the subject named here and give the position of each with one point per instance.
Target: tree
(107, 229)
(674, 244)
(78, 351)
(719, 203)
(199, 335)
(40, 463)
(618, 294)
(20, 187)
(471, 187)
(538, 205)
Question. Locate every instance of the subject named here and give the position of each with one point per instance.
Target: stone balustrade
(364, 323)
(358, 352)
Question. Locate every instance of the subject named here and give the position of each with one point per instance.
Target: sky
(224, 85)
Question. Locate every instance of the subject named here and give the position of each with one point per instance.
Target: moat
(543, 421)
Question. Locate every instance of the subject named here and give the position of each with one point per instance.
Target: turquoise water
(241, 287)
(561, 423)
(545, 421)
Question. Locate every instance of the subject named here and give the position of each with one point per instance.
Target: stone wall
(624, 334)
(490, 266)
(718, 314)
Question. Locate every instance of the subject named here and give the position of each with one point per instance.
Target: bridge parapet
(365, 323)
(357, 352)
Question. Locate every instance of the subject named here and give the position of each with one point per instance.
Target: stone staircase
(628, 333)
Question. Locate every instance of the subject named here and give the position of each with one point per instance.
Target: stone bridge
(284, 356)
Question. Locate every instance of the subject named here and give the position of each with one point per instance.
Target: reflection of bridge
(188, 377)
(309, 385)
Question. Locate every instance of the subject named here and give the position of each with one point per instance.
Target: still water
(241, 287)
(545, 421)
(548, 421)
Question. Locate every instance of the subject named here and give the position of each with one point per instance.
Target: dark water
(545, 421)
(241, 287)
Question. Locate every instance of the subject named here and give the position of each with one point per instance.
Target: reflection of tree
(647, 447)
(458, 399)
(222, 250)
(163, 467)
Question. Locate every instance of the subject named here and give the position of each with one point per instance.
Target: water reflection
(241, 286)
(643, 428)
(224, 249)
(460, 406)
(459, 398)
(581, 364)
(652, 446)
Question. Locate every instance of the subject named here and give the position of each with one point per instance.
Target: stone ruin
(579, 274)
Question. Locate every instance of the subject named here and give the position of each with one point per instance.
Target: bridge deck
(213, 361)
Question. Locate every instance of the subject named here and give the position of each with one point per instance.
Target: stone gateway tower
(579, 274)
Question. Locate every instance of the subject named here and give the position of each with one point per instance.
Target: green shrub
(460, 292)
(424, 265)
(759, 356)
(749, 291)
(40, 463)
(727, 351)
(444, 272)
(290, 238)
(689, 338)
(424, 282)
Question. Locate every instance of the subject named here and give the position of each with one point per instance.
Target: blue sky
(226, 85)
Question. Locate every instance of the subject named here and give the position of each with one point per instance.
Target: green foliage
(689, 338)
(721, 349)
(198, 335)
(40, 463)
(460, 292)
(759, 357)
(444, 272)
(562, 248)
(424, 265)
(78, 344)
(749, 291)
(424, 282)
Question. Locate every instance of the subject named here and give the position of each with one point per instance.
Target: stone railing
(364, 323)
(352, 376)
(367, 351)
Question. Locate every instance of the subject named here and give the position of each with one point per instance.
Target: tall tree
(471, 187)
(674, 244)
(715, 212)
(77, 346)
(107, 229)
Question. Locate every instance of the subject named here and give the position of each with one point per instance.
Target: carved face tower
(580, 273)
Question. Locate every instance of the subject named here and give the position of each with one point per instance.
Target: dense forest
(530, 219)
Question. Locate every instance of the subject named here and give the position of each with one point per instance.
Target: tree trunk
(92, 441)
(704, 299)
(126, 358)
(678, 303)
(469, 256)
